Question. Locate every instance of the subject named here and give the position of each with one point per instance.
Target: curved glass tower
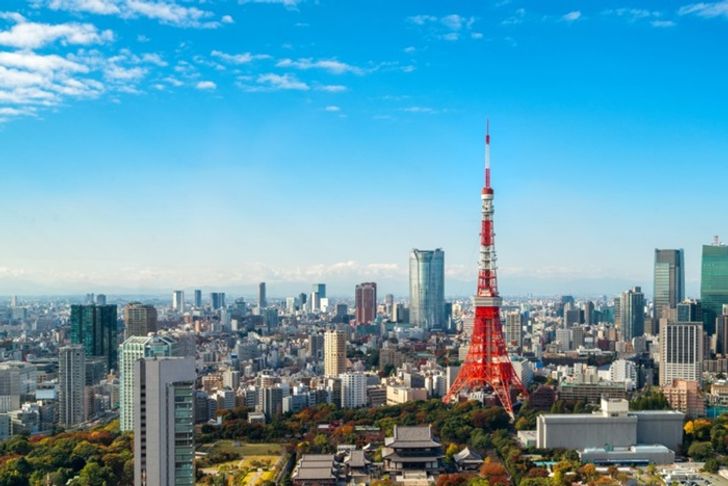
(427, 288)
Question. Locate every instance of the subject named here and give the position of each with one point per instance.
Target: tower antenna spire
(487, 153)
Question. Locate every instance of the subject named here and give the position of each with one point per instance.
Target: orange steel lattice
(487, 365)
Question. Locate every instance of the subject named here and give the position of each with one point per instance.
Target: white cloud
(275, 82)
(103, 7)
(332, 88)
(32, 35)
(662, 23)
(419, 109)
(706, 9)
(332, 109)
(164, 11)
(36, 62)
(243, 58)
(285, 3)
(448, 27)
(331, 65)
(572, 16)
(409, 50)
(227, 19)
(206, 85)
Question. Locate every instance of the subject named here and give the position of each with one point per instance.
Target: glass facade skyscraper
(427, 288)
(669, 282)
(632, 311)
(713, 284)
(95, 328)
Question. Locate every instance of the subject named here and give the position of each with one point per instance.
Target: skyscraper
(139, 319)
(366, 302)
(198, 298)
(178, 301)
(101, 299)
(71, 383)
(95, 327)
(164, 422)
(262, 300)
(669, 283)
(513, 329)
(427, 288)
(334, 353)
(134, 348)
(218, 300)
(713, 283)
(681, 351)
(632, 310)
(320, 289)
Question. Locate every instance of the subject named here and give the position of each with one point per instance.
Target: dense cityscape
(314, 389)
(262, 242)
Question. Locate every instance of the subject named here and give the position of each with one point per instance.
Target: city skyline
(307, 127)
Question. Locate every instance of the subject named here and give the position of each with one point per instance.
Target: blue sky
(148, 144)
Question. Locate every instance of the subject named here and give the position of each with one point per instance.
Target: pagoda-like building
(412, 449)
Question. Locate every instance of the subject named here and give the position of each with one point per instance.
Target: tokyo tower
(487, 366)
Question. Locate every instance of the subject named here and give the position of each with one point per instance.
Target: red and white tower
(487, 365)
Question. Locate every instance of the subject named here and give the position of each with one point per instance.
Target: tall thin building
(178, 301)
(713, 283)
(365, 296)
(669, 282)
(681, 351)
(139, 319)
(218, 300)
(632, 310)
(353, 389)
(71, 381)
(101, 299)
(427, 288)
(198, 298)
(513, 329)
(262, 300)
(164, 447)
(334, 353)
(721, 345)
(320, 289)
(131, 350)
(95, 327)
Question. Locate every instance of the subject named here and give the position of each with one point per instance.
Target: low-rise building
(685, 396)
(412, 449)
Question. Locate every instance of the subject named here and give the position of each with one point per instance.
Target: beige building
(397, 394)
(685, 396)
(334, 353)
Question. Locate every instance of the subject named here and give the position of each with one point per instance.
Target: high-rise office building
(365, 297)
(713, 283)
(178, 301)
(198, 298)
(314, 302)
(353, 389)
(139, 319)
(334, 353)
(164, 422)
(721, 331)
(669, 282)
(689, 311)
(218, 300)
(427, 288)
(632, 310)
(513, 329)
(681, 351)
(96, 328)
(320, 289)
(131, 350)
(101, 299)
(262, 300)
(588, 308)
(71, 384)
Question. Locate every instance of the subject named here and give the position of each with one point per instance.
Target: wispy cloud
(516, 18)
(332, 108)
(243, 58)
(572, 16)
(449, 27)
(420, 109)
(274, 82)
(706, 9)
(285, 3)
(635, 15)
(332, 88)
(332, 66)
(165, 11)
(206, 85)
(32, 35)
